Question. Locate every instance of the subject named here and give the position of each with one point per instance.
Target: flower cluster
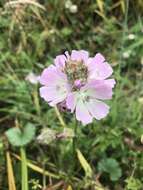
(73, 8)
(80, 83)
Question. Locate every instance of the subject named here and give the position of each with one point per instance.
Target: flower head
(73, 8)
(131, 36)
(80, 82)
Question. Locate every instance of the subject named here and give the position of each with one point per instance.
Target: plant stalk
(24, 170)
(75, 142)
(59, 117)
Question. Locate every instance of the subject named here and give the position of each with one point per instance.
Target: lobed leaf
(21, 137)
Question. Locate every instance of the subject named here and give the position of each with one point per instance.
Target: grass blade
(11, 179)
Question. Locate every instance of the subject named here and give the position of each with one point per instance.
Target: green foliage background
(31, 35)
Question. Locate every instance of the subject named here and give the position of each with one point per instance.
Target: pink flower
(81, 82)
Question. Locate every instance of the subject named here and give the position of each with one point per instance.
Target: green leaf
(85, 164)
(133, 183)
(111, 167)
(21, 137)
(66, 31)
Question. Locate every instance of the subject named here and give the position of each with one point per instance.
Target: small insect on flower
(80, 83)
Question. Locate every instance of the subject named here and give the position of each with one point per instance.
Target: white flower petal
(97, 108)
(82, 113)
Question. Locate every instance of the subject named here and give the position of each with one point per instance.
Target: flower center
(77, 72)
(84, 97)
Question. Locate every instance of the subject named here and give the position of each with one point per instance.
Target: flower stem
(36, 102)
(24, 171)
(75, 142)
(59, 117)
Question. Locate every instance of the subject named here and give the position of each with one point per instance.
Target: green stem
(75, 142)
(44, 176)
(59, 117)
(24, 170)
(75, 136)
(36, 101)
